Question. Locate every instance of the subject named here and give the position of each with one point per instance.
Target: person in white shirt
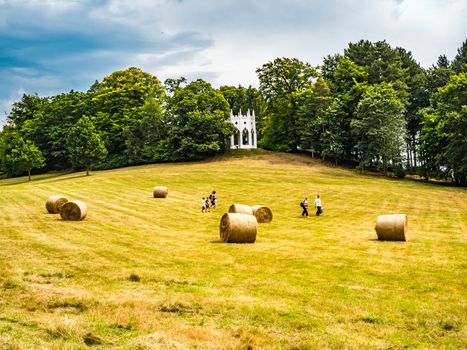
(318, 205)
(203, 205)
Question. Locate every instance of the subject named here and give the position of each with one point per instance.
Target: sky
(53, 46)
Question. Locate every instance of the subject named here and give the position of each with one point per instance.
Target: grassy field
(146, 273)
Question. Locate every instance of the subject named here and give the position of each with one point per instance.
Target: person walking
(318, 205)
(203, 205)
(304, 205)
(213, 199)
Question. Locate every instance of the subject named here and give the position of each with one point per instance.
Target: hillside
(146, 273)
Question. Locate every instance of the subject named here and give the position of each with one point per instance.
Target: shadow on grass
(216, 241)
(387, 241)
(45, 178)
(71, 177)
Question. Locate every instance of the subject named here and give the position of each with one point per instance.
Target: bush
(399, 171)
(112, 161)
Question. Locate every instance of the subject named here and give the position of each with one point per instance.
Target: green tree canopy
(459, 64)
(383, 62)
(280, 82)
(312, 116)
(147, 141)
(197, 121)
(379, 127)
(84, 145)
(18, 155)
(444, 138)
(25, 109)
(284, 76)
(118, 102)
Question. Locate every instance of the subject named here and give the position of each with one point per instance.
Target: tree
(18, 155)
(333, 138)
(348, 82)
(384, 64)
(280, 80)
(419, 98)
(201, 134)
(379, 127)
(147, 141)
(459, 64)
(284, 76)
(118, 102)
(85, 146)
(25, 109)
(197, 122)
(438, 75)
(51, 123)
(312, 115)
(444, 137)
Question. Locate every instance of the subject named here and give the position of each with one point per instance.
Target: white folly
(244, 135)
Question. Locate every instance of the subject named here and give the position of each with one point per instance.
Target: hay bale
(241, 209)
(392, 227)
(263, 214)
(73, 211)
(54, 203)
(238, 228)
(160, 192)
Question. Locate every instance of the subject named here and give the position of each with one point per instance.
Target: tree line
(373, 107)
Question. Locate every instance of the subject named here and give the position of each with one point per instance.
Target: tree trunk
(87, 170)
(409, 156)
(414, 147)
(29, 174)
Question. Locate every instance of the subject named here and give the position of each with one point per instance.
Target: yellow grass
(150, 273)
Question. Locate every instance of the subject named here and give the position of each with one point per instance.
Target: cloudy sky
(53, 46)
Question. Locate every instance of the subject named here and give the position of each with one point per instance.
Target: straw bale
(238, 228)
(161, 192)
(241, 209)
(73, 211)
(262, 213)
(392, 227)
(54, 203)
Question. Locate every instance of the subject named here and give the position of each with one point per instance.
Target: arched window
(252, 137)
(245, 137)
(236, 138)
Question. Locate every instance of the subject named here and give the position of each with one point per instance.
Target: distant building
(245, 130)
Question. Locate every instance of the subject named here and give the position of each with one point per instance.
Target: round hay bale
(238, 228)
(160, 192)
(392, 227)
(73, 211)
(263, 214)
(241, 209)
(54, 203)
